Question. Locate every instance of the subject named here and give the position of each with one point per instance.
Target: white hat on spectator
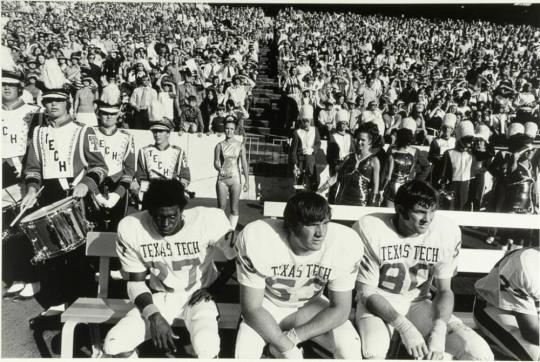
(306, 112)
(483, 131)
(449, 120)
(409, 123)
(343, 116)
(515, 128)
(464, 129)
(531, 129)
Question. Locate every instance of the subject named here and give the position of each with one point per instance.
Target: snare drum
(56, 229)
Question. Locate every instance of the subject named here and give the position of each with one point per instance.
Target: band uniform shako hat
(108, 108)
(12, 77)
(164, 124)
(55, 85)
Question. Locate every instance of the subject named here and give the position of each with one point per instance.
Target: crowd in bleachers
(195, 60)
(467, 91)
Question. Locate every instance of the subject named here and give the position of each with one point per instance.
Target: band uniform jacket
(118, 150)
(63, 152)
(169, 163)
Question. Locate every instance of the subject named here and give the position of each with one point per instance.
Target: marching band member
(18, 122)
(61, 158)
(160, 160)
(118, 150)
(228, 155)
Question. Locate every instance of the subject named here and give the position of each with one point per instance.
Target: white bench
(95, 311)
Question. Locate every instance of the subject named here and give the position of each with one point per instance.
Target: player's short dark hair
(414, 193)
(306, 208)
(164, 193)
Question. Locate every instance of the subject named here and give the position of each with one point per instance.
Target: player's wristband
(149, 310)
(291, 334)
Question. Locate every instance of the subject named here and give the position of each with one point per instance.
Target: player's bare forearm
(267, 327)
(329, 318)
(260, 320)
(379, 306)
(443, 303)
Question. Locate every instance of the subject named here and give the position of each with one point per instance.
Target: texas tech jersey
(514, 282)
(179, 263)
(154, 163)
(16, 124)
(403, 267)
(265, 261)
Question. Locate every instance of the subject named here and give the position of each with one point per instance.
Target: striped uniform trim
(498, 333)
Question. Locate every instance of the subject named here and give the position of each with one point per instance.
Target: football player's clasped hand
(162, 333)
(200, 295)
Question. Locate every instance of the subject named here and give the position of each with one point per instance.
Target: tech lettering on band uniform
(57, 146)
(168, 162)
(115, 148)
(16, 124)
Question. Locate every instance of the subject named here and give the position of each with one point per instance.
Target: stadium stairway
(263, 145)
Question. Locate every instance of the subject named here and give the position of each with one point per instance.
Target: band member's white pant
(501, 327)
(200, 319)
(342, 341)
(462, 343)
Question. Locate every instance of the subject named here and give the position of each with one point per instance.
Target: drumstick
(9, 194)
(23, 210)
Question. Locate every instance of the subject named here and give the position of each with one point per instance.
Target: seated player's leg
(501, 327)
(249, 344)
(202, 325)
(343, 341)
(375, 334)
(462, 342)
(132, 330)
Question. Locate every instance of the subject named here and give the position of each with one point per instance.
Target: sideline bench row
(99, 310)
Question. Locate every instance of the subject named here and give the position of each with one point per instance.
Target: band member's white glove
(80, 190)
(113, 200)
(29, 199)
(101, 200)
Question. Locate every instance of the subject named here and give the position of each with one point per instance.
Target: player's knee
(113, 347)
(206, 343)
(372, 348)
(474, 347)
(347, 342)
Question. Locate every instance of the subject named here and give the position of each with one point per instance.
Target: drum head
(47, 210)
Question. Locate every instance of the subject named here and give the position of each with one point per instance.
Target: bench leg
(95, 339)
(67, 339)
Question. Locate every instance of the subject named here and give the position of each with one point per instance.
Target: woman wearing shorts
(227, 155)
